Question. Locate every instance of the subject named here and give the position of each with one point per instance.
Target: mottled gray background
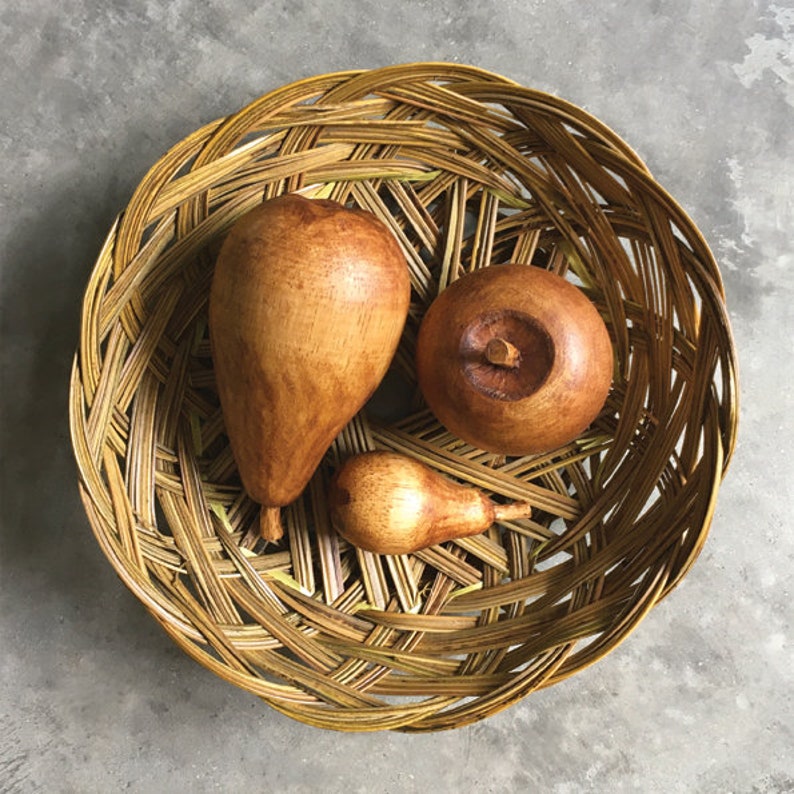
(93, 696)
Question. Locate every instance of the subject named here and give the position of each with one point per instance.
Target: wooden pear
(389, 503)
(307, 305)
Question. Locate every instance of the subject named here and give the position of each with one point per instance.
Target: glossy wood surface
(514, 359)
(390, 503)
(307, 306)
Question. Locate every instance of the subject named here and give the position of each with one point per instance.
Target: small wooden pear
(307, 305)
(389, 503)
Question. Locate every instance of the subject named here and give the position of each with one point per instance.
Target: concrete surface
(93, 696)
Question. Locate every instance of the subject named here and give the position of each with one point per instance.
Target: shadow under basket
(469, 170)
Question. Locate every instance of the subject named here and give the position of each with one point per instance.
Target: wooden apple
(514, 359)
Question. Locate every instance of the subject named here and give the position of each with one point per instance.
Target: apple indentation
(506, 354)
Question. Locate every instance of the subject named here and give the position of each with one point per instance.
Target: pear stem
(512, 511)
(270, 523)
(502, 353)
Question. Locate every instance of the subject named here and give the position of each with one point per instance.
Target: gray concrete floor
(93, 696)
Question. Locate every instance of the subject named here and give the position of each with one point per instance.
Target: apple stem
(512, 511)
(270, 523)
(500, 352)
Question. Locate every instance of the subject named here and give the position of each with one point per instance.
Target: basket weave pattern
(468, 169)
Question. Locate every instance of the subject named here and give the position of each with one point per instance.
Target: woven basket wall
(468, 169)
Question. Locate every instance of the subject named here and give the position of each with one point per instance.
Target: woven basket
(468, 169)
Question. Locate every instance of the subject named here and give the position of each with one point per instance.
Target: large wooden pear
(307, 305)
